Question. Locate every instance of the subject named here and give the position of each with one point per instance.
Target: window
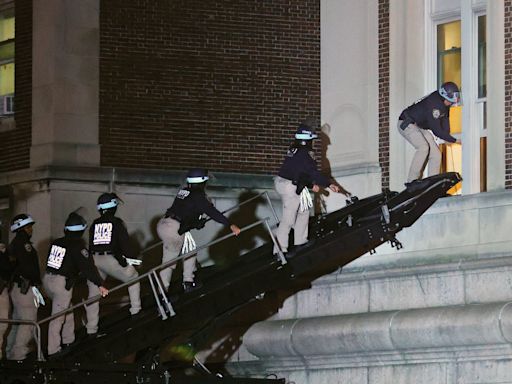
(7, 62)
(449, 67)
(481, 100)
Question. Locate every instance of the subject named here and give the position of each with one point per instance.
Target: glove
(133, 261)
(38, 297)
(188, 243)
(306, 201)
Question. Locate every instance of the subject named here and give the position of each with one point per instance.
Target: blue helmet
(197, 176)
(75, 223)
(107, 201)
(305, 133)
(450, 92)
(20, 221)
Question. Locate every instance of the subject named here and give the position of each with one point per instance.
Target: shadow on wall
(224, 253)
(320, 200)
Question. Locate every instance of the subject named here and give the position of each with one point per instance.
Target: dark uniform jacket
(300, 168)
(108, 234)
(25, 259)
(68, 257)
(189, 205)
(430, 113)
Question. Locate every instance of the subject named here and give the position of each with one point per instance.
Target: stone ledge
(134, 176)
(379, 332)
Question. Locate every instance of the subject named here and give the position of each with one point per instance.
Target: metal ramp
(336, 239)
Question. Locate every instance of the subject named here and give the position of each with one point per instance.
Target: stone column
(65, 83)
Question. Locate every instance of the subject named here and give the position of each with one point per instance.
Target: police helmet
(75, 223)
(450, 91)
(107, 201)
(305, 133)
(197, 176)
(20, 221)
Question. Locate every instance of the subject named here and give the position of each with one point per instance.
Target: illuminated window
(481, 101)
(449, 69)
(7, 62)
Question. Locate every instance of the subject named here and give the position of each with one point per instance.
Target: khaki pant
(425, 145)
(167, 230)
(55, 287)
(107, 265)
(291, 217)
(5, 306)
(21, 335)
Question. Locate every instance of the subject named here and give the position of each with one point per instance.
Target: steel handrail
(155, 269)
(148, 274)
(37, 336)
(274, 213)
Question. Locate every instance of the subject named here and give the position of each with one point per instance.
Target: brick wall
(508, 94)
(15, 143)
(219, 84)
(384, 91)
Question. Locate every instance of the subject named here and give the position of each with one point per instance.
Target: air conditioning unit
(8, 104)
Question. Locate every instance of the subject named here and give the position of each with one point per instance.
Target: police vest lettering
(102, 233)
(182, 194)
(56, 256)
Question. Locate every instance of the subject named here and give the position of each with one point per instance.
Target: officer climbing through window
(298, 173)
(6, 270)
(185, 214)
(25, 295)
(112, 255)
(68, 256)
(429, 113)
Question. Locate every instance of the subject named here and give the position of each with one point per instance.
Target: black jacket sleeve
(208, 208)
(86, 265)
(124, 240)
(315, 175)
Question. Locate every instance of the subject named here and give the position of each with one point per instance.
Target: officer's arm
(124, 241)
(208, 208)
(441, 131)
(86, 265)
(316, 176)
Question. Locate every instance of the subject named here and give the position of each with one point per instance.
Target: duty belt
(103, 253)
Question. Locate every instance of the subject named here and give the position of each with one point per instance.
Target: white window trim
(471, 133)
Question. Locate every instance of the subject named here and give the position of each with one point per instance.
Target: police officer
(429, 113)
(67, 257)
(26, 275)
(113, 256)
(190, 203)
(298, 173)
(6, 270)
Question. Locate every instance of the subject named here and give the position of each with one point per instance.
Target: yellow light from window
(6, 79)
(456, 120)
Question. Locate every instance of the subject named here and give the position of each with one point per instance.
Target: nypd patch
(28, 247)
(291, 152)
(436, 113)
(182, 194)
(84, 253)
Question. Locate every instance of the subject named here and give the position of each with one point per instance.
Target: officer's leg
(92, 310)
(414, 136)
(167, 230)
(26, 310)
(189, 267)
(112, 267)
(4, 314)
(61, 298)
(291, 202)
(300, 229)
(68, 329)
(434, 154)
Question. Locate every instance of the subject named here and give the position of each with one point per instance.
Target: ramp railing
(164, 306)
